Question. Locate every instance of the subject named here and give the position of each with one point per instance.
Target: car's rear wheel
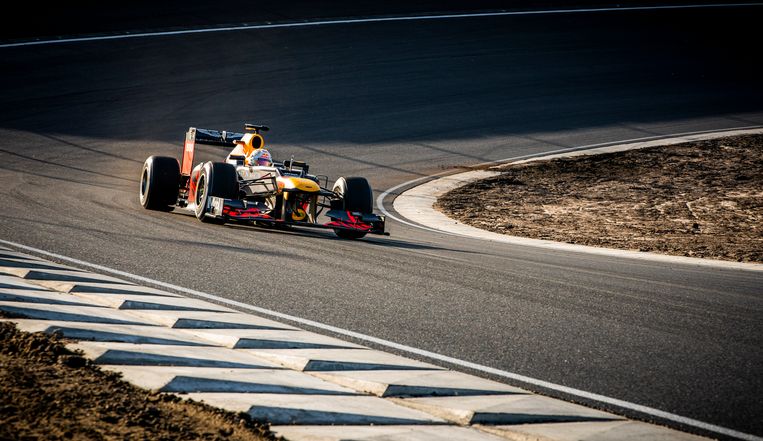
(159, 183)
(216, 179)
(357, 196)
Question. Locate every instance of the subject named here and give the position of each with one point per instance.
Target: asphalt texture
(393, 102)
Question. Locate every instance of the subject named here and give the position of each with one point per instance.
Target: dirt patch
(699, 199)
(48, 392)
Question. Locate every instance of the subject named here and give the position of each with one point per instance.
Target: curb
(416, 205)
(306, 385)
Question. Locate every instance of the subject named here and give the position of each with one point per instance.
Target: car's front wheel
(356, 196)
(216, 179)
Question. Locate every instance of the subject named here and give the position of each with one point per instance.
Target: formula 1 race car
(250, 187)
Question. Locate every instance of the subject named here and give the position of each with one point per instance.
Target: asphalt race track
(393, 102)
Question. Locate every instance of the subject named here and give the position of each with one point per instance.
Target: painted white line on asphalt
(409, 349)
(244, 27)
(542, 155)
(380, 203)
(612, 143)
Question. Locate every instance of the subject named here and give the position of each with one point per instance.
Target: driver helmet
(260, 157)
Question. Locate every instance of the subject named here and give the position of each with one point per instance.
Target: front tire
(357, 196)
(216, 179)
(159, 183)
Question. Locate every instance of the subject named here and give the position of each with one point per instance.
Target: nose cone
(301, 184)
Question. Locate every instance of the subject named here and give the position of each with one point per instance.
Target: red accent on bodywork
(354, 223)
(341, 224)
(245, 213)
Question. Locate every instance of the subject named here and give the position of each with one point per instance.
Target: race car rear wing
(225, 138)
(222, 138)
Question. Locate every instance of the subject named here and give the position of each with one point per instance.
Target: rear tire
(216, 179)
(356, 196)
(159, 183)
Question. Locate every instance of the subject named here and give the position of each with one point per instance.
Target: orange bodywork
(248, 143)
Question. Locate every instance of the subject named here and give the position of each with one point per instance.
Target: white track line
(368, 20)
(380, 199)
(409, 349)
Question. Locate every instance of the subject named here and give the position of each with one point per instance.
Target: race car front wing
(233, 209)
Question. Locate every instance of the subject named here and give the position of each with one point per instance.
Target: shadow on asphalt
(386, 241)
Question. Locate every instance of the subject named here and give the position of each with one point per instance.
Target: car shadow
(376, 241)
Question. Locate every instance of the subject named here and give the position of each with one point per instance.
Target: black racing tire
(356, 195)
(159, 183)
(216, 179)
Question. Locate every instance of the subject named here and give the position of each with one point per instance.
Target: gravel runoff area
(48, 392)
(698, 199)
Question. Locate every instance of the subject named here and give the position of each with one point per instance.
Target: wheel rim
(339, 191)
(201, 190)
(143, 184)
